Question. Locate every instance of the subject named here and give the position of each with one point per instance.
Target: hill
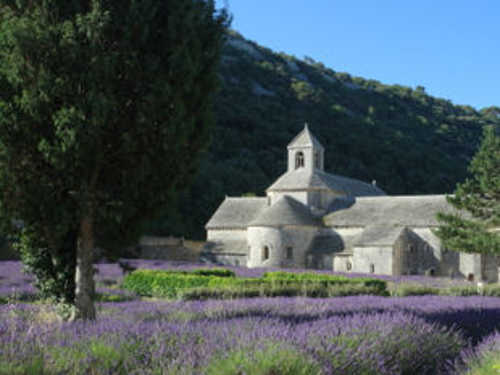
(405, 139)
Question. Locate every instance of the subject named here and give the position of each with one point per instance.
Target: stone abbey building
(313, 219)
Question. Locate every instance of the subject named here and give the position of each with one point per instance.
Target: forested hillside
(406, 140)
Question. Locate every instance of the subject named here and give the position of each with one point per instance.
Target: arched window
(299, 159)
(348, 266)
(289, 252)
(372, 268)
(265, 253)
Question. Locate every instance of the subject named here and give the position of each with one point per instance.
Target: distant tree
(104, 108)
(420, 89)
(479, 196)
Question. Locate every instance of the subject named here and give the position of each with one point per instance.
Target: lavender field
(347, 335)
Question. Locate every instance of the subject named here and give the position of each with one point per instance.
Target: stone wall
(341, 262)
(419, 254)
(490, 268)
(271, 247)
(225, 259)
(222, 235)
(376, 260)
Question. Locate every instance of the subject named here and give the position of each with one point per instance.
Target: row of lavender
(355, 335)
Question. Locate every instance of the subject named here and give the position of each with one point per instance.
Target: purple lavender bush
(349, 335)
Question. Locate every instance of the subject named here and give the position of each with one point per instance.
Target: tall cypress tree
(104, 108)
(479, 196)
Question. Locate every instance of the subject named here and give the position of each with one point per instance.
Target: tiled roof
(286, 211)
(303, 179)
(236, 213)
(412, 210)
(379, 235)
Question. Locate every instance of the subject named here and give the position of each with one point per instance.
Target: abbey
(313, 219)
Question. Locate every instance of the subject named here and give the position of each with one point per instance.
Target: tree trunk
(84, 277)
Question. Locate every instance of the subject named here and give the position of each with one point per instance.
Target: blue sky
(452, 48)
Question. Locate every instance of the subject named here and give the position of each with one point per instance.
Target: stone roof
(286, 211)
(236, 212)
(305, 139)
(416, 210)
(239, 247)
(327, 244)
(379, 235)
(303, 179)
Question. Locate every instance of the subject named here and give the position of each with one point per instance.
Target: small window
(299, 159)
(289, 252)
(265, 253)
(470, 277)
(237, 262)
(372, 268)
(348, 266)
(411, 249)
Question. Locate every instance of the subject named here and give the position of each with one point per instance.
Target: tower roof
(286, 211)
(305, 139)
(301, 179)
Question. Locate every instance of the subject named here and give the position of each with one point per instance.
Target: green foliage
(480, 197)
(282, 275)
(405, 290)
(35, 366)
(193, 286)
(487, 364)
(219, 272)
(53, 268)
(313, 290)
(273, 358)
(104, 109)
(464, 291)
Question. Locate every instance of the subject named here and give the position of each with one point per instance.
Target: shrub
(316, 290)
(272, 359)
(179, 284)
(460, 291)
(492, 290)
(404, 290)
(219, 272)
(281, 275)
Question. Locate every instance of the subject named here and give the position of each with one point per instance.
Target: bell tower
(305, 153)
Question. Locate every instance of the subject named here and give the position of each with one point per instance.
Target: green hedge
(281, 275)
(405, 290)
(269, 290)
(170, 284)
(284, 277)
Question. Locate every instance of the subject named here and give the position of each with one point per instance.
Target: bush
(314, 290)
(460, 291)
(219, 272)
(160, 283)
(492, 290)
(272, 359)
(286, 277)
(191, 285)
(281, 275)
(405, 290)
